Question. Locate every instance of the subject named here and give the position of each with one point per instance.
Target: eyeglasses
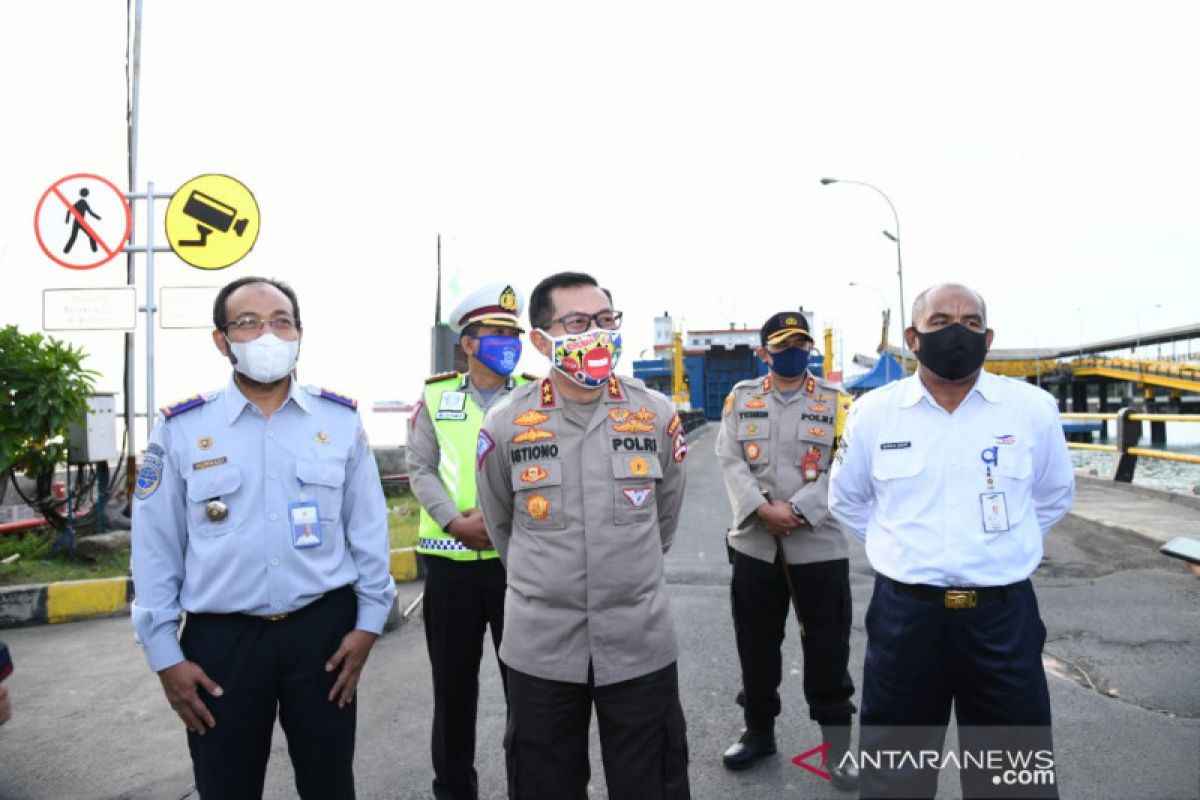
(246, 327)
(578, 323)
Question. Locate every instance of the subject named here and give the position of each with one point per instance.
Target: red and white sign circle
(82, 221)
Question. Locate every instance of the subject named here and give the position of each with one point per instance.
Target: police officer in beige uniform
(464, 579)
(777, 436)
(580, 481)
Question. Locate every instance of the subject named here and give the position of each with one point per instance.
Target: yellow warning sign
(212, 221)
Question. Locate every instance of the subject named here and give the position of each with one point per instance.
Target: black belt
(957, 597)
(278, 617)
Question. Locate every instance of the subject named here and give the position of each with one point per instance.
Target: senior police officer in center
(581, 480)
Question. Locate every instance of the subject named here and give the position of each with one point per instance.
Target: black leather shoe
(845, 777)
(752, 746)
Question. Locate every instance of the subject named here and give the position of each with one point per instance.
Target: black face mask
(953, 353)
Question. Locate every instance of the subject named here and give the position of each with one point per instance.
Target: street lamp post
(899, 262)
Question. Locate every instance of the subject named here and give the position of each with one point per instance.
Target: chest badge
(810, 465)
(216, 511)
(637, 497)
(322, 437)
(534, 474)
(639, 466)
(537, 506)
(753, 451)
(204, 442)
(755, 402)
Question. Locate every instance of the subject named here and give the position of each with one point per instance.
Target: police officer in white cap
(465, 581)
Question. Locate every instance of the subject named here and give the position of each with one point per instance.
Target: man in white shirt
(951, 477)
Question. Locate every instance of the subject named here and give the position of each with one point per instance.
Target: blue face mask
(499, 353)
(790, 363)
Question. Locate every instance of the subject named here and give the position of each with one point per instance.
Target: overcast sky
(1044, 153)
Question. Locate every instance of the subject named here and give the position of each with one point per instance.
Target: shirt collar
(986, 385)
(236, 402)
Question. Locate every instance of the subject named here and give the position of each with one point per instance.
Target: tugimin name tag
(995, 512)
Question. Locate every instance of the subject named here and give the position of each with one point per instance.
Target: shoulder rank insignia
(766, 384)
(614, 388)
(441, 376)
(348, 402)
(176, 409)
(547, 393)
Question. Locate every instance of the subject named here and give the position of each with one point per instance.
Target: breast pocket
(323, 481)
(635, 484)
(219, 485)
(815, 437)
(538, 496)
(897, 465)
(753, 436)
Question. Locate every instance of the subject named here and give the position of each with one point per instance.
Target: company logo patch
(637, 497)
(537, 506)
(534, 474)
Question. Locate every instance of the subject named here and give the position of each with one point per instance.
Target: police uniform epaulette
(175, 409)
(348, 402)
(441, 376)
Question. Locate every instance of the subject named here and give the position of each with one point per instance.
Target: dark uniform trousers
(643, 737)
(462, 599)
(922, 656)
(761, 607)
(264, 665)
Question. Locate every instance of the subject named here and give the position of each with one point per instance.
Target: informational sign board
(99, 309)
(186, 306)
(212, 221)
(82, 221)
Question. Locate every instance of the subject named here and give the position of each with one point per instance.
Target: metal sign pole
(149, 307)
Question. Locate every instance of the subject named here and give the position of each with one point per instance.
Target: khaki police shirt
(581, 516)
(423, 453)
(761, 446)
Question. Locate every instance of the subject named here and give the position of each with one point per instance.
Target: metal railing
(1129, 430)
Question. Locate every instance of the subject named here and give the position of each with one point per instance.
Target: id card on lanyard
(993, 507)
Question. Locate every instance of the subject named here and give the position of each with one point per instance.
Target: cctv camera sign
(212, 221)
(82, 221)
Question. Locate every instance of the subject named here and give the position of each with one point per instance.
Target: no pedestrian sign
(82, 221)
(212, 221)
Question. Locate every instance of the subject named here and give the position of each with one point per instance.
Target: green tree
(43, 389)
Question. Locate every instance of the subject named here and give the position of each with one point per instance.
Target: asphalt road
(1123, 651)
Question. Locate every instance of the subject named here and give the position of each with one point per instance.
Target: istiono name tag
(306, 524)
(995, 512)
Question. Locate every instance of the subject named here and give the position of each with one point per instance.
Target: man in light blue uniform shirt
(259, 512)
(952, 477)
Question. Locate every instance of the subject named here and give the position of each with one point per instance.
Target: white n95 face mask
(266, 359)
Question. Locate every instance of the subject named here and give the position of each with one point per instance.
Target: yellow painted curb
(69, 600)
(404, 564)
